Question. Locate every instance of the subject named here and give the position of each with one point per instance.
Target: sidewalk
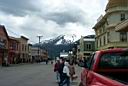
(78, 73)
(14, 65)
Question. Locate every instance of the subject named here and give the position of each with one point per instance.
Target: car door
(86, 76)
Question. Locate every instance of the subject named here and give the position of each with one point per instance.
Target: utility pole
(39, 45)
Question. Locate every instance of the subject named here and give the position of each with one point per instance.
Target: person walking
(51, 61)
(61, 66)
(72, 71)
(56, 69)
(66, 75)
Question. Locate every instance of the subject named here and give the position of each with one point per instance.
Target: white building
(86, 46)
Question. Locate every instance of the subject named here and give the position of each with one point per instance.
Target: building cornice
(114, 45)
(117, 9)
(110, 26)
(98, 24)
(13, 38)
(101, 34)
(122, 26)
(24, 37)
(116, 3)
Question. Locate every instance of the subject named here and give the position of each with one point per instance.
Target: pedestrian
(6, 61)
(61, 66)
(56, 69)
(47, 61)
(72, 72)
(14, 60)
(51, 61)
(66, 75)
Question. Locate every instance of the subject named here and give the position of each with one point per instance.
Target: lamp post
(39, 46)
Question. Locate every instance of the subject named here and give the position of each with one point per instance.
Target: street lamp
(39, 46)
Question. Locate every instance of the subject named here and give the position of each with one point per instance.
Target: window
(89, 46)
(25, 47)
(97, 43)
(91, 61)
(114, 60)
(100, 30)
(108, 36)
(22, 47)
(17, 46)
(104, 40)
(122, 17)
(103, 28)
(14, 46)
(100, 42)
(123, 36)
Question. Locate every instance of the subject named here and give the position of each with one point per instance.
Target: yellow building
(24, 49)
(106, 28)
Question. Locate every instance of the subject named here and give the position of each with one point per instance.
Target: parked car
(106, 68)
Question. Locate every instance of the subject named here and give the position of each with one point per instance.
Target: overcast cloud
(50, 18)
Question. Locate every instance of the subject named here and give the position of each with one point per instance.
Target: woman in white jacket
(66, 75)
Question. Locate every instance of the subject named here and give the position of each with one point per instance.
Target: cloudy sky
(50, 18)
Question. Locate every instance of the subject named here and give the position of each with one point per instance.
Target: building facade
(30, 52)
(105, 28)
(23, 49)
(35, 54)
(14, 53)
(86, 46)
(3, 45)
(44, 55)
(38, 54)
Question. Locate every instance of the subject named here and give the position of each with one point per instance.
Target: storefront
(1, 56)
(3, 45)
(13, 50)
(3, 53)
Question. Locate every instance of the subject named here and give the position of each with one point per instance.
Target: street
(31, 75)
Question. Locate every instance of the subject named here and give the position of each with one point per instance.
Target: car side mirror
(83, 64)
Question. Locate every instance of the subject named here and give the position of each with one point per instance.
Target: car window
(114, 60)
(91, 61)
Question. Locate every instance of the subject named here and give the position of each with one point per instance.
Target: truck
(106, 68)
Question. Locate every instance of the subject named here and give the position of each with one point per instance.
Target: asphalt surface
(31, 75)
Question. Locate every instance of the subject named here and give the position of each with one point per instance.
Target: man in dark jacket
(56, 69)
(60, 70)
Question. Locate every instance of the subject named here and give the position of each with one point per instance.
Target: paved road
(30, 75)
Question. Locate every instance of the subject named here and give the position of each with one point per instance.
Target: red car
(106, 68)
